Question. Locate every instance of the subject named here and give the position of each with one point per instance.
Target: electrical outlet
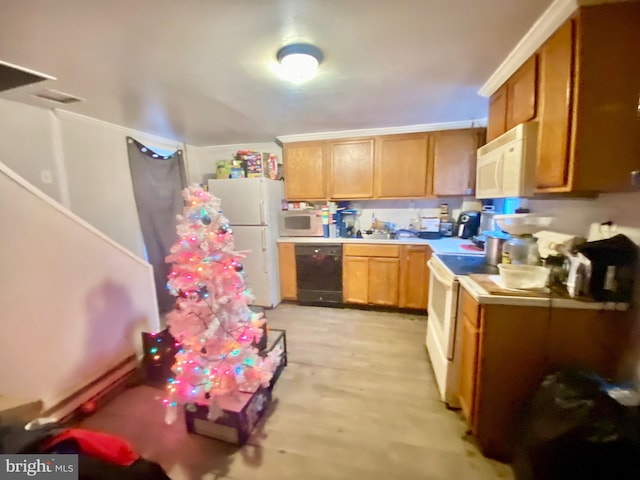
(46, 176)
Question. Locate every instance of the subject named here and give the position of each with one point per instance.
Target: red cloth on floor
(100, 445)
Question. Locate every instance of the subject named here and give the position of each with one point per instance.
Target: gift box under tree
(242, 412)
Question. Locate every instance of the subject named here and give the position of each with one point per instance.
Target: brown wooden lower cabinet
(371, 277)
(507, 350)
(372, 274)
(355, 280)
(414, 276)
(386, 275)
(287, 265)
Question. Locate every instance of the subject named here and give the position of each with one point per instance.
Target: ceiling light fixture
(299, 62)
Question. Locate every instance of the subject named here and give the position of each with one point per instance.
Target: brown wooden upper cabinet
(401, 168)
(412, 165)
(514, 102)
(454, 154)
(497, 123)
(351, 165)
(521, 93)
(589, 125)
(556, 89)
(304, 171)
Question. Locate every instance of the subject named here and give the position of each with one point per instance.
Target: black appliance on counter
(319, 273)
(468, 224)
(613, 268)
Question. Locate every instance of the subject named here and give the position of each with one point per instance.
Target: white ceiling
(200, 71)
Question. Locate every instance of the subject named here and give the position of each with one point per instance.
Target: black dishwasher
(319, 273)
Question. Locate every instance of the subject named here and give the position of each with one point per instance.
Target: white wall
(87, 160)
(401, 212)
(99, 179)
(72, 302)
(575, 215)
(26, 144)
(202, 160)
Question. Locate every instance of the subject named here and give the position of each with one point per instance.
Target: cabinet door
(555, 94)
(468, 369)
(521, 93)
(304, 177)
(469, 319)
(414, 277)
(355, 279)
(383, 281)
(588, 338)
(401, 166)
(287, 263)
(351, 169)
(454, 161)
(497, 123)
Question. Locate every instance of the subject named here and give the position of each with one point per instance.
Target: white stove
(443, 342)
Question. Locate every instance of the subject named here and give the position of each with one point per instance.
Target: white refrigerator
(252, 206)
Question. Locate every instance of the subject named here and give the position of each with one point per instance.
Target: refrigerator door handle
(262, 222)
(264, 249)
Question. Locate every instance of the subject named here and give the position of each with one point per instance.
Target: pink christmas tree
(212, 320)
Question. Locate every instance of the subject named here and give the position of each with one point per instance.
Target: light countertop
(441, 245)
(480, 295)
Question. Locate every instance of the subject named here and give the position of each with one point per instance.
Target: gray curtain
(158, 181)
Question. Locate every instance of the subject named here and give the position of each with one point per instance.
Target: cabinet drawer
(370, 250)
(470, 309)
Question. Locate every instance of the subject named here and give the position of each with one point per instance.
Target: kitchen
(361, 167)
(430, 274)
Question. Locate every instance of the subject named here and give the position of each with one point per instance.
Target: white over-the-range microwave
(507, 165)
(301, 223)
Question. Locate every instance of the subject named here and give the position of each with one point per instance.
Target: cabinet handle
(635, 178)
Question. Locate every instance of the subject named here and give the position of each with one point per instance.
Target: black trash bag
(573, 430)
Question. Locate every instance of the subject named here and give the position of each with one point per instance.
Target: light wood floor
(357, 401)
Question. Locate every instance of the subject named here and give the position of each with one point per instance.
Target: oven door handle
(434, 272)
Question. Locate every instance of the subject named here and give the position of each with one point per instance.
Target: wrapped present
(277, 339)
(240, 414)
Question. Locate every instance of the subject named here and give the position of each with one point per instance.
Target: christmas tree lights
(212, 320)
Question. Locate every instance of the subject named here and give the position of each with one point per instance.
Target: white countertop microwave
(507, 165)
(301, 223)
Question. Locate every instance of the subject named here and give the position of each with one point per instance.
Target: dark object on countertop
(573, 429)
(446, 228)
(613, 261)
(468, 224)
(428, 235)
(478, 240)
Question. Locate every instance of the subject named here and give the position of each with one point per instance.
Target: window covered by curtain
(158, 181)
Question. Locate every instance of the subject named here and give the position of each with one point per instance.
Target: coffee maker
(468, 224)
(346, 220)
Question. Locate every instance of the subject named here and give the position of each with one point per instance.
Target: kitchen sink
(376, 236)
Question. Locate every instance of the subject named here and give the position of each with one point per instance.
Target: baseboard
(99, 391)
